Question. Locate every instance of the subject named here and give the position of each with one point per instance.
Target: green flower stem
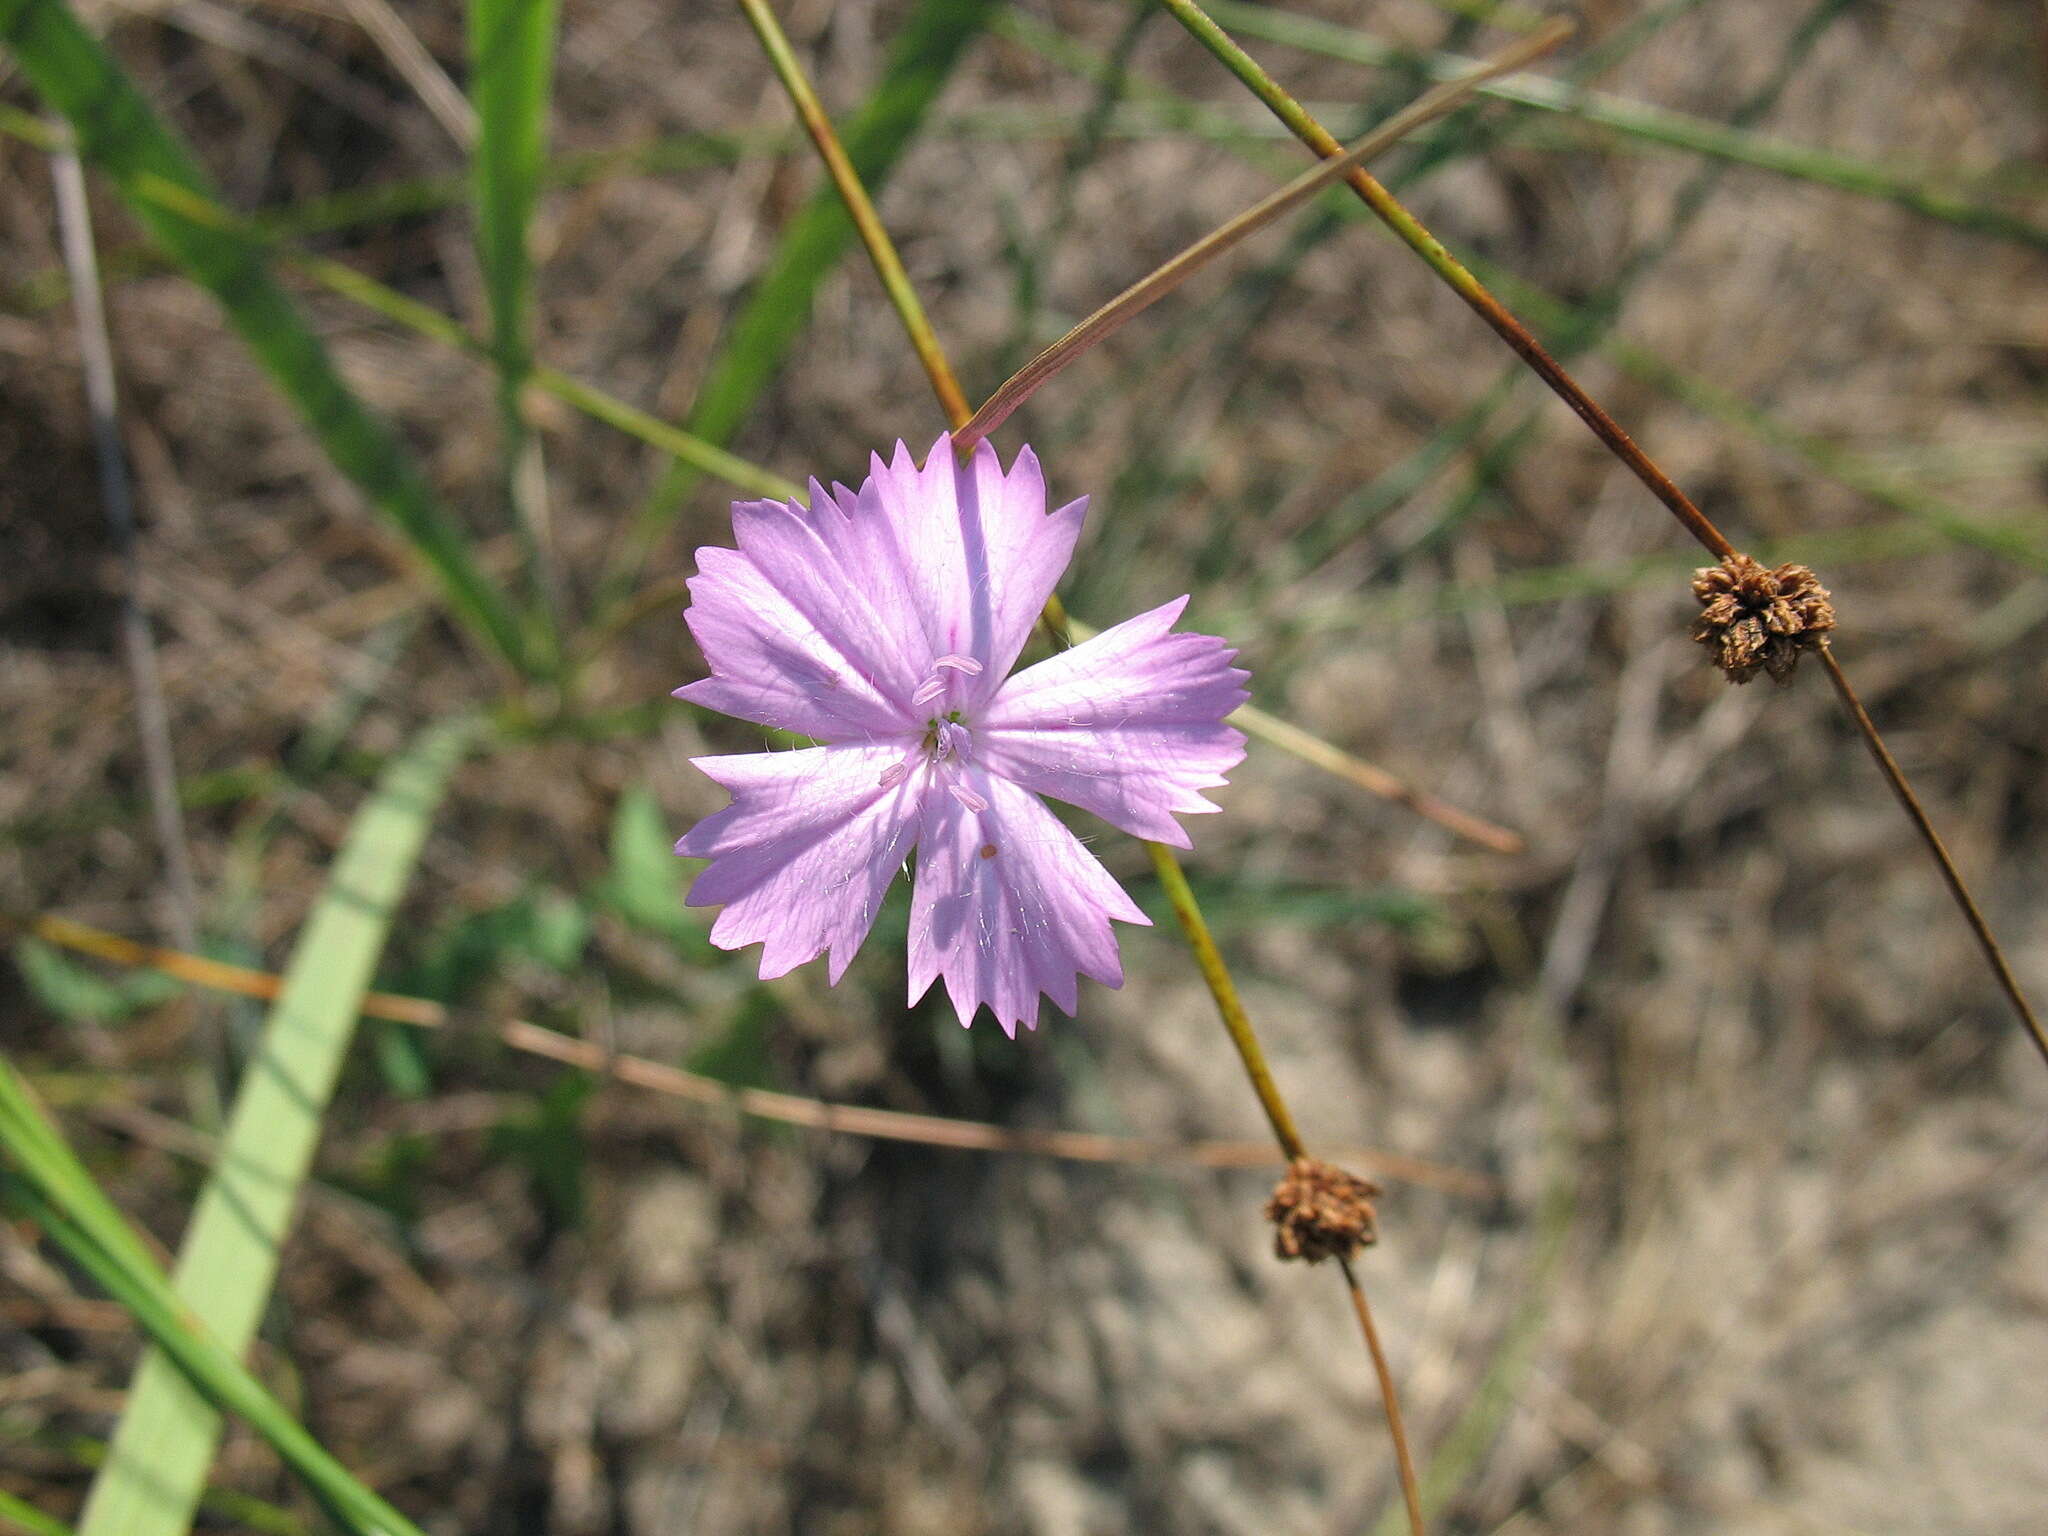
(881, 250)
(1208, 958)
(1236, 1021)
(861, 208)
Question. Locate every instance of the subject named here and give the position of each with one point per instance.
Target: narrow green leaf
(511, 53)
(511, 56)
(21, 1513)
(119, 134)
(920, 61)
(165, 1441)
(42, 1179)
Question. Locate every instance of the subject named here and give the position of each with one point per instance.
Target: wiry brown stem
(760, 1103)
(1951, 876)
(1411, 1487)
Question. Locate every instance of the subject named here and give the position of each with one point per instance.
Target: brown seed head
(1320, 1212)
(1756, 619)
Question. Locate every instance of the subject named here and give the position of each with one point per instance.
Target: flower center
(943, 752)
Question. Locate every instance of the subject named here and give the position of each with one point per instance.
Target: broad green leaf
(43, 1180)
(645, 885)
(165, 1441)
(120, 135)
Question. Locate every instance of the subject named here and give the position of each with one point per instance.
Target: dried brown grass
(1802, 1287)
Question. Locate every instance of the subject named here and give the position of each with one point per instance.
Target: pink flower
(883, 623)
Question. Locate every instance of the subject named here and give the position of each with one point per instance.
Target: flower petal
(803, 855)
(978, 548)
(1008, 904)
(808, 625)
(1128, 725)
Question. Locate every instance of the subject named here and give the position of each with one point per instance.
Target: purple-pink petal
(1008, 905)
(783, 655)
(979, 552)
(802, 857)
(1127, 726)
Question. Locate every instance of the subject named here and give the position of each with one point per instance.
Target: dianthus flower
(883, 623)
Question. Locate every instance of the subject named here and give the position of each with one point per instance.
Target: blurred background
(1712, 1160)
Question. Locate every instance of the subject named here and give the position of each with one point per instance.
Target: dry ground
(1770, 1248)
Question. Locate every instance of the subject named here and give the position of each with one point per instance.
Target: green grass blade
(920, 61)
(1916, 191)
(160, 1452)
(42, 1179)
(511, 54)
(19, 1512)
(122, 136)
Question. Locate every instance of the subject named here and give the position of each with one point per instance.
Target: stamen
(893, 775)
(966, 797)
(935, 685)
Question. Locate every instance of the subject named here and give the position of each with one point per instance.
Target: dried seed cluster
(1320, 1212)
(1757, 619)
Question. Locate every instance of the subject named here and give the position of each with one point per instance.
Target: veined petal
(806, 626)
(802, 857)
(978, 549)
(1008, 904)
(1128, 725)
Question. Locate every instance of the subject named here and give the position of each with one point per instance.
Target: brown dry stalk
(759, 1103)
(1902, 789)
(1411, 231)
(1411, 1485)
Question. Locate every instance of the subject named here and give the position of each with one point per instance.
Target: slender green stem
(1411, 1487)
(29, 1518)
(44, 1180)
(860, 207)
(1236, 1022)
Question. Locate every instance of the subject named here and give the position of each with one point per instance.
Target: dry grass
(1802, 1284)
